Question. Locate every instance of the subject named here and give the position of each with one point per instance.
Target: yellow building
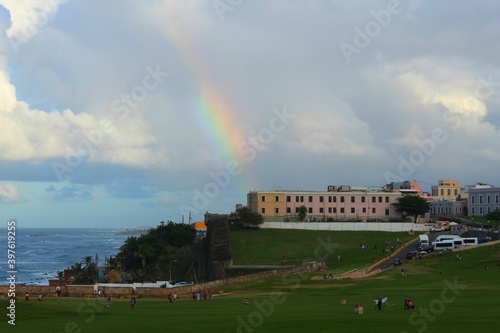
(268, 204)
(447, 189)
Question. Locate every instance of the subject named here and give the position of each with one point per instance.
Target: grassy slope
(269, 247)
(300, 304)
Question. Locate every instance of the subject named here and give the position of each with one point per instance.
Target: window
(321, 210)
(442, 192)
(263, 210)
(364, 210)
(488, 210)
(480, 198)
(353, 199)
(329, 210)
(387, 199)
(488, 199)
(353, 210)
(334, 210)
(374, 199)
(263, 198)
(341, 210)
(296, 210)
(480, 210)
(288, 198)
(473, 211)
(310, 198)
(363, 199)
(456, 192)
(321, 198)
(342, 199)
(288, 210)
(387, 212)
(310, 210)
(496, 198)
(334, 199)
(301, 198)
(297, 198)
(449, 192)
(329, 199)
(379, 199)
(277, 198)
(374, 210)
(473, 199)
(276, 210)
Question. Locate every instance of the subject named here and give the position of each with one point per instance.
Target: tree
(495, 216)
(148, 257)
(249, 217)
(412, 205)
(302, 213)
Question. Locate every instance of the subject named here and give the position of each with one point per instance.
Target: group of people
(204, 293)
(39, 297)
(172, 298)
(409, 304)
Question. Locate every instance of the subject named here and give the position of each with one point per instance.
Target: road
(400, 253)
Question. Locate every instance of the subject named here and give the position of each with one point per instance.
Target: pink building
(340, 203)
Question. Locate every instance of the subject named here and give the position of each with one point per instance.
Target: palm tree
(87, 260)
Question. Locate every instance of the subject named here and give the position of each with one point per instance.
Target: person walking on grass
(132, 303)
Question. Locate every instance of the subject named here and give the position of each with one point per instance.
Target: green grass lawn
(450, 295)
(271, 246)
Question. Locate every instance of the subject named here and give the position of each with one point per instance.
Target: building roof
(200, 226)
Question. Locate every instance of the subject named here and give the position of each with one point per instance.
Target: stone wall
(213, 287)
(218, 247)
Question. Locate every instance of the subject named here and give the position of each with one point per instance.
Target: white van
(443, 245)
(458, 242)
(446, 237)
(470, 241)
(424, 240)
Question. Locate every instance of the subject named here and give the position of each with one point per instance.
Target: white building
(483, 199)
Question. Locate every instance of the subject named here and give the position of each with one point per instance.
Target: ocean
(42, 252)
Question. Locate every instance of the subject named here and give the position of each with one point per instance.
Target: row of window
(446, 210)
(488, 210)
(331, 210)
(300, 198)
(488, 198)
(448, 192)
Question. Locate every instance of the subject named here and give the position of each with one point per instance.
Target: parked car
(411, 255)
(436, 229)
(427, 248)
(396, 262)
(182, 284)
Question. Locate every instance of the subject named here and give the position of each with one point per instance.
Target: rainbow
(213, 110)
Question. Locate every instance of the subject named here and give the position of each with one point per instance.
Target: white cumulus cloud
(9, 193)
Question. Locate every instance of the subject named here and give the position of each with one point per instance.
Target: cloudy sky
(128, 113)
